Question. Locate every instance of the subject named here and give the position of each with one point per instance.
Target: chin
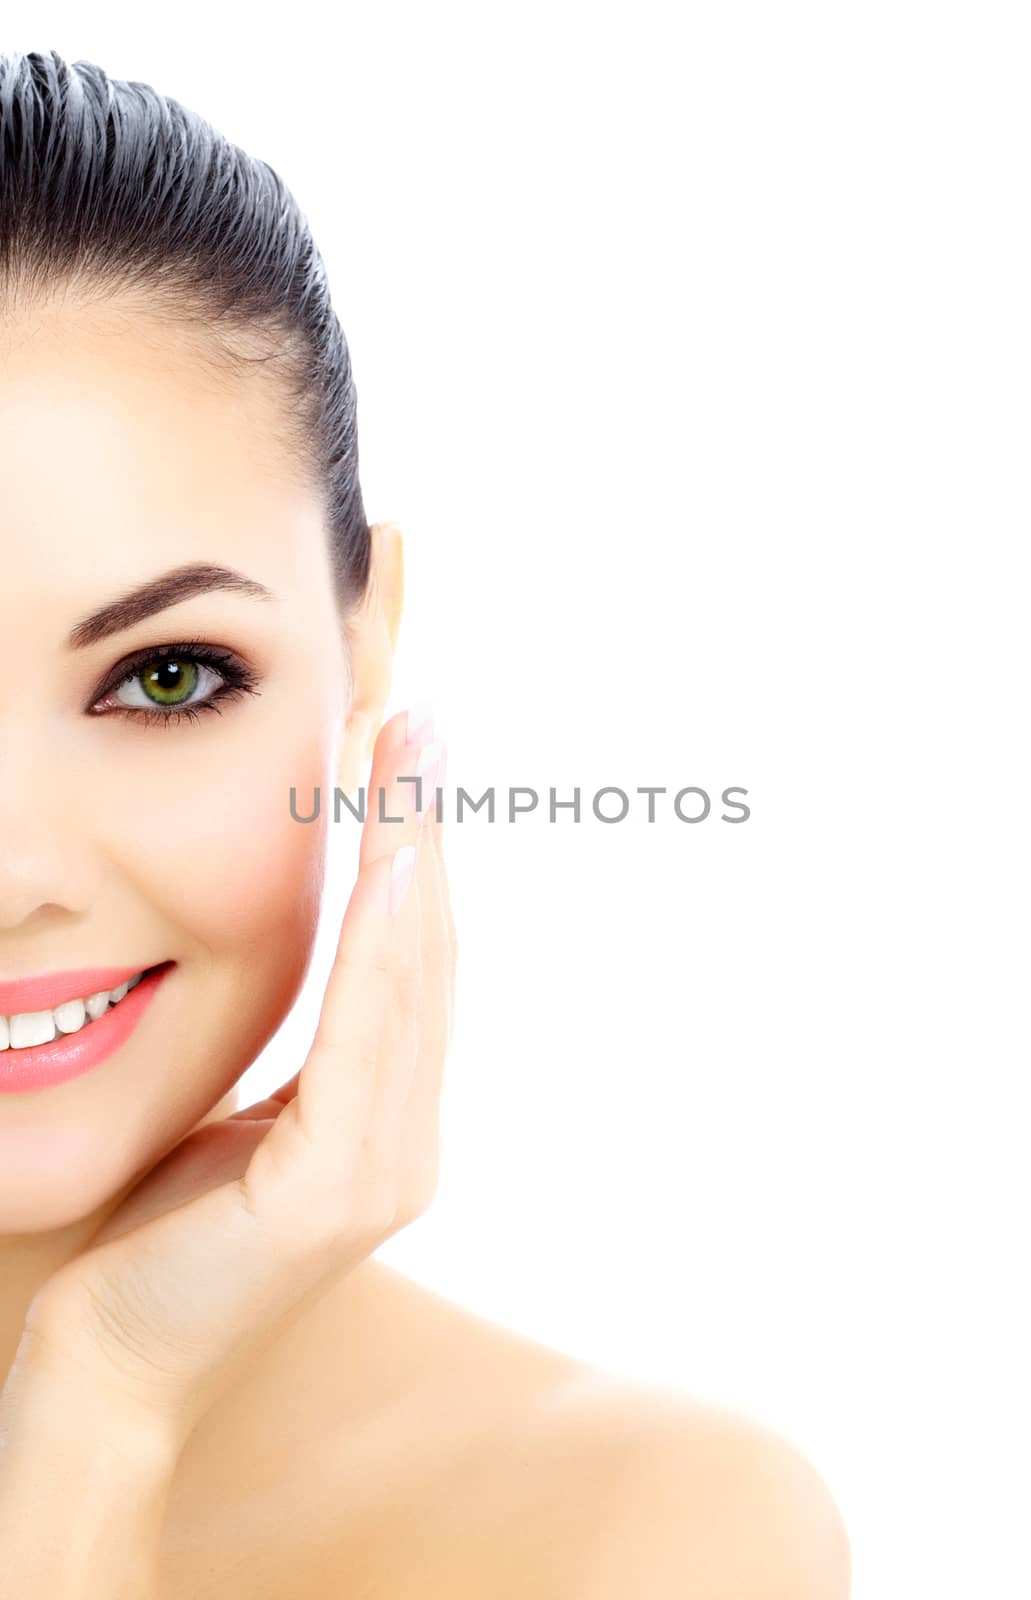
(54, 1177)
(57, 1172)
(76, 1149)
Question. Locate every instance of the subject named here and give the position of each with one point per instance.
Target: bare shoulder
(670, 1497)
(399, 1447)
(516, 1469)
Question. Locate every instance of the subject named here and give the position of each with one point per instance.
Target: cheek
(248, 877)
(211, 870)
(240, 909)
(234, 877)
(235, 903)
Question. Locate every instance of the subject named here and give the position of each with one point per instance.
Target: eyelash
(238, 679)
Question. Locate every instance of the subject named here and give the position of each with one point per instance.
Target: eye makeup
(184, 658)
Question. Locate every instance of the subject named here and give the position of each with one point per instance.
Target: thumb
(216, 1153)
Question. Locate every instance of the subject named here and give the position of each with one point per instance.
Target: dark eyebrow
(182, 583)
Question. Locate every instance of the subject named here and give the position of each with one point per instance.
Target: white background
(692, 354)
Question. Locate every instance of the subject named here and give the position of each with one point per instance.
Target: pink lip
(71, 1054)
(54, 988)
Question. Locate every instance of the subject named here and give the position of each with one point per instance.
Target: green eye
(170, 681)
(166, 685)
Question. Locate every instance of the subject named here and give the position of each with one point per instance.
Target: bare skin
(448, 1458)
(383, 1441)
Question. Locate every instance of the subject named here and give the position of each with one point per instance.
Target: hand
(248, 1216)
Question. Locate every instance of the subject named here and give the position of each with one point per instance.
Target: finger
(400, 781)
(391, 822)
(328, 1104)
(399, 1040)
(439, 812)
(417, 1023)
(438, 947)
(212, 1155)
(322, 1129)
(419, 1146)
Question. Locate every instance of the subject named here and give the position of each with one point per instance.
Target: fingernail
(401, 875)
(420, 724)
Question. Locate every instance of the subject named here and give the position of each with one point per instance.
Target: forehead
(119, 428)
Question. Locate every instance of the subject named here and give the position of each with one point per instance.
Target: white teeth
(32, 1027)
(96, 1005)
(71, 1016)
(40, 1027)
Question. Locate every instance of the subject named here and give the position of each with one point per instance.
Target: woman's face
(126, 840)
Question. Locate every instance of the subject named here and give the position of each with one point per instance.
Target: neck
(27, 1260)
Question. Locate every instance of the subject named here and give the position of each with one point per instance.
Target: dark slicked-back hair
(110, 188)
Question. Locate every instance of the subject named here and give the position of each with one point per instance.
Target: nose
(47, 862)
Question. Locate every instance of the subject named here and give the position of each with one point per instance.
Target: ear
(371, 643)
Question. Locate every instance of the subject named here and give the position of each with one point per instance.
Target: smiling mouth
(65, 1055)
(27, 1029)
